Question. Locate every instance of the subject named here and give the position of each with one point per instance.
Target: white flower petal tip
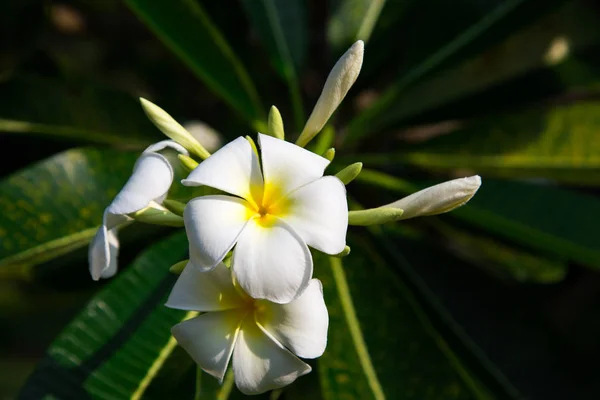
(260, 363)
(338, 83)
(438, 199)
(102, 254)
(300, 325)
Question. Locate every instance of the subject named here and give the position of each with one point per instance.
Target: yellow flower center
(267, 204)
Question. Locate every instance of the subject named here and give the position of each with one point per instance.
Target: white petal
(205, 291)
(209, 339)
(156, 147)
(439, 198)
(233, 169)
(212, 224)
(272, 262)
(286, 166)
(103, 252)
(151, 179)
(319, 213)
(301, 325)
(260, 363)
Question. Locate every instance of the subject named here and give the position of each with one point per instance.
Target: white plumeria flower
(148, 185)
(271, 218)
(439, 198)
(259, 335)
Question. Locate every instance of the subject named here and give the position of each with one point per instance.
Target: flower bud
(349, 173)
(329, 154)
(275, 124)
(173, 129)
(438, 199)
(374, 216)
(156, 216)
(178, 268)
(340, 79)
(188, 162)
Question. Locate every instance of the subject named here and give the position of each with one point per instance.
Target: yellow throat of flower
(267, 203)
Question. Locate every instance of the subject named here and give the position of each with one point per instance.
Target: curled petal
(234, 169)
(213, 224)
(151, 179)
(319, 213)
(204, 291)
(164, 144)
(271, 261)
(103, 252)
(286, 166)
(209, 339)
(301, 325)
(260, 363)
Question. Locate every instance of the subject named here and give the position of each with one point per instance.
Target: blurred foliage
(499, 299)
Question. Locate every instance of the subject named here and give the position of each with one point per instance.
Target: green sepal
(344, 252)
(176, 207)
(349, 173)
(329, 154)
(275, 124)
(188, 162)
(374, 216)
(177, 268)
(151, 215)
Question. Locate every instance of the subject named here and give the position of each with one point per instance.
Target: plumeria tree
(261, 250)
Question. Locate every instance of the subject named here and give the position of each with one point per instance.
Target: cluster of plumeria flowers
(249, 273)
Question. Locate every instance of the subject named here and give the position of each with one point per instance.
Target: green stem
(354, 327)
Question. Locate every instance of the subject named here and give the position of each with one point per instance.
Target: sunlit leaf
(55, 206)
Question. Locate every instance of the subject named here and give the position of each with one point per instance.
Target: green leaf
(283, 27)
(556, 143)
(86, 114)
(55, 206)
(556, 221)
(188, 31)
(353, 20)
(478, 30)
(542, 45)
(116, 345)
(381, 342)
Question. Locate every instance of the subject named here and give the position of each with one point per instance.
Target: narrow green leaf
(187, 30)
(54, 206)
(122, 337)
(283, 27)
(544, 44)
(353, 20)
(373, 316)
(84, 114)
(556, 143)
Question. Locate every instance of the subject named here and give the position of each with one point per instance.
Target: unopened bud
(178, 268)
(349, 173)
(156, 216)
(340, 80)
(344, 252)
(374, 216)
(329, 154)
(173, 129)
(275, 124)
(438, 199)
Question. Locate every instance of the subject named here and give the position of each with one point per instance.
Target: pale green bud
(340, 79)
(329, 154)
(438, 199)
(176, 207)
(252, 144)
(173, 129)
(344, 252)
(275, 124)
(178, 268)
(374, 216)
(155, 216)
(348, 174)
(188, 162)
